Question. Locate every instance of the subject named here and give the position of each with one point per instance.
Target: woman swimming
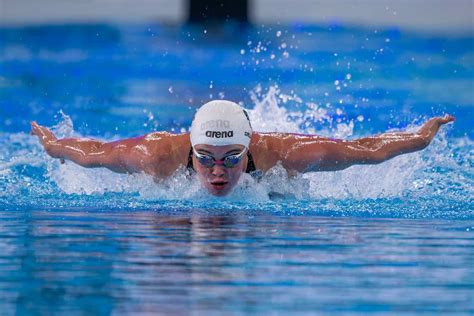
(222, 145)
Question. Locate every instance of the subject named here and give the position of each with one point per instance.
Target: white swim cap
(221, 123)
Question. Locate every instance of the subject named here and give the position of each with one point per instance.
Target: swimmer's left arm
(325, 154)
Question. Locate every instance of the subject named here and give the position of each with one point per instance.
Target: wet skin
(219, 180)
(160, 154)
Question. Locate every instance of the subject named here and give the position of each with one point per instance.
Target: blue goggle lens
(229, 161)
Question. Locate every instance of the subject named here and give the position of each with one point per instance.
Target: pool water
(394, 238)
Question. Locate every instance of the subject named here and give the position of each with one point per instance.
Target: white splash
(65, 127)
(268, 116)
(394, 178)
(413, 175)
(73, 179)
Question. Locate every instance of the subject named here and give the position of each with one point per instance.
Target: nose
(218, 170)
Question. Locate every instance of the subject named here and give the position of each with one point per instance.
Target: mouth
(219, 185)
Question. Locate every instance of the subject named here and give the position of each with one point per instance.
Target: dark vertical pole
(217, 11)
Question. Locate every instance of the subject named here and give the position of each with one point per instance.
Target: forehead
(219, 150)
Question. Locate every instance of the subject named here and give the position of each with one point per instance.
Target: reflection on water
(150, 262)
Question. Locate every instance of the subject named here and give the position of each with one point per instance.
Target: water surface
(394, 238)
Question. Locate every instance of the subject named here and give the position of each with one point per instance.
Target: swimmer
(222, 145)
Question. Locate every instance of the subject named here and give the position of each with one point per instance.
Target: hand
(45, 136)
(430, 128)
(445, 119)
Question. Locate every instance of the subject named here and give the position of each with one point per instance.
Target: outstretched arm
(324, 154)
(147, 153)
(88, 153)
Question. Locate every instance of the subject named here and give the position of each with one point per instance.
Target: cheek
(234, 175)
(201, 173)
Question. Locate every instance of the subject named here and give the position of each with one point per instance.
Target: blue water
(395, 238)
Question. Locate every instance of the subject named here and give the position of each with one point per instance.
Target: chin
(222, 192)
(219, 193)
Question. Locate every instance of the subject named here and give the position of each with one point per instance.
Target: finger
(44, 135)
(450, 118)
(44, 132)
(36, 129)
(446, 119)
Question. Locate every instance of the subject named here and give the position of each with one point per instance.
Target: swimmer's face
(218, 179)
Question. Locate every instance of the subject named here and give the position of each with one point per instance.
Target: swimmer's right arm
(90, 153)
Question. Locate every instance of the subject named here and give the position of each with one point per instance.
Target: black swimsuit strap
(250, 164)
(190, 160)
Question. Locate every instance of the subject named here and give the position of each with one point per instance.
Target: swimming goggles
(229, 161)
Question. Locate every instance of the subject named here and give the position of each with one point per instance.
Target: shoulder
(278, 142)
(162, 152)
(165, 139)
(152, 141)
(167, 145)
(266, 149)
